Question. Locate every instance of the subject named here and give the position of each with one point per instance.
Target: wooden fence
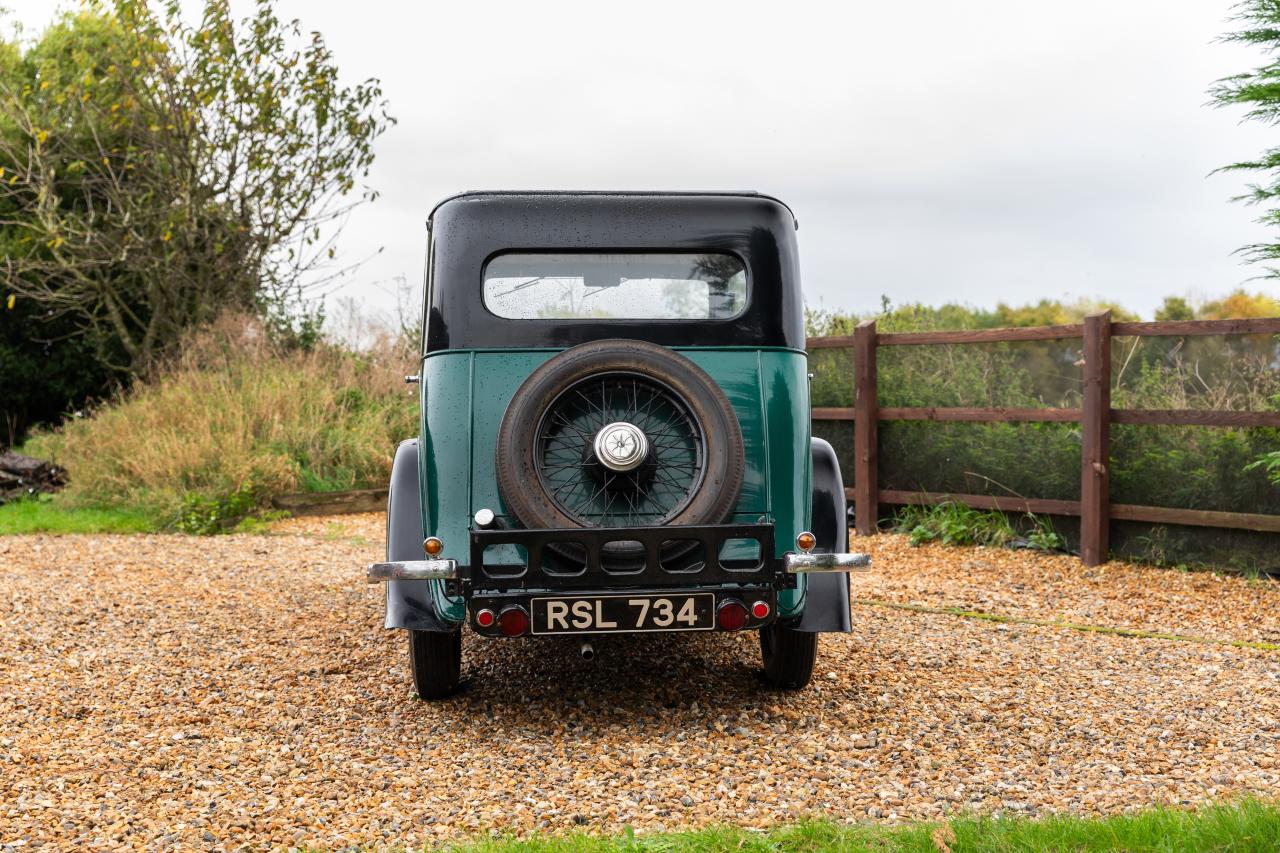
(1095, 417)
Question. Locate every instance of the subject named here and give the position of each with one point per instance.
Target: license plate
(601, 614)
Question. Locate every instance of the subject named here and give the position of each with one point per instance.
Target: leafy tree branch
(154, 172)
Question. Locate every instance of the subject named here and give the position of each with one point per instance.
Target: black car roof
(469, 229)
(622, 193)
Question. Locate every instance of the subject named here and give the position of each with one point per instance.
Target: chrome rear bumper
(804, 563)
(413, 570)
(439, 570)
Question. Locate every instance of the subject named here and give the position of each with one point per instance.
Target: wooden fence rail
(1095, 416)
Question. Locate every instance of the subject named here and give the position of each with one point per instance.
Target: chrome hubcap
(621, 446)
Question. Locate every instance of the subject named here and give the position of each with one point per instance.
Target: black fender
(409, 603)
(826, 605)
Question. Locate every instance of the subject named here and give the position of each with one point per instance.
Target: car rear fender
(410, 604)
(826, 607)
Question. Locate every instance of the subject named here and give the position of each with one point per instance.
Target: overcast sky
(996, 150)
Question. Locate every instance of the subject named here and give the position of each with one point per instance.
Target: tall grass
(235, 419)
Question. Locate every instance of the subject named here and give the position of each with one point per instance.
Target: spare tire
(619, 433)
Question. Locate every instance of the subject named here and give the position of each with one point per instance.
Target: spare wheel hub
(621, 446)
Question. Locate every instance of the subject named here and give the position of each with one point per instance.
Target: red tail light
(485, 618)
(760, 609)
(513, 621)
(731, 615)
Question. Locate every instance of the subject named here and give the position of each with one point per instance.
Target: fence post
(1095, 457)
(866, 413)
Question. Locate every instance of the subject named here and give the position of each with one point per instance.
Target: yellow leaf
(13, 300)
(136, 63)
(42, 136)
(167, 236)
(44, 84)
(13, 180)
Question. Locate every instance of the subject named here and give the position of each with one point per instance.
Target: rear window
(634, 286)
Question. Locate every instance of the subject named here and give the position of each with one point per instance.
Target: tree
(1259, 92)
(1173, 309)
(48, 367)
(1239, 304)
(154, 172)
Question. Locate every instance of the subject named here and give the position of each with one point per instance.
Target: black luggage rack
(545, 570)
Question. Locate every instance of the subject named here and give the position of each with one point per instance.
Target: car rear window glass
(616, 286)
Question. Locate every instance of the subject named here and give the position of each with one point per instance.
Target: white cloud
(985, 151)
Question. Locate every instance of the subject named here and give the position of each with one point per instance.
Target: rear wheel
(435, 659)
(788, 655)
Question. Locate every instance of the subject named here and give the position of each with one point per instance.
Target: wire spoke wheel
(600, 492)
(619, 433)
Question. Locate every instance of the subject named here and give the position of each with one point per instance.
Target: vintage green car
(615, 433)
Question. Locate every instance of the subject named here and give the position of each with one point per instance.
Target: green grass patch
(1250, 825)
(953, 523)
(45, 515)
(49, 516)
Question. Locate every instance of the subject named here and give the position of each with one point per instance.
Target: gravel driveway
(168, 690)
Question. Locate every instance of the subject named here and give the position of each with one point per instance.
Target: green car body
(768, 388)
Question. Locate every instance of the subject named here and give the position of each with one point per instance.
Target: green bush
(1269, 463)
(204, 514)
(952, 523)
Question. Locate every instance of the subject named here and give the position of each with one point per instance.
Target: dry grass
(235, 414)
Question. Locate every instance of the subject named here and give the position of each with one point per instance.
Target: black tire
(720, 459)
(788, 655)
(435, 658)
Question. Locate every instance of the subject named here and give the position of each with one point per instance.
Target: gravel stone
(1052, 586)
(239, 691)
